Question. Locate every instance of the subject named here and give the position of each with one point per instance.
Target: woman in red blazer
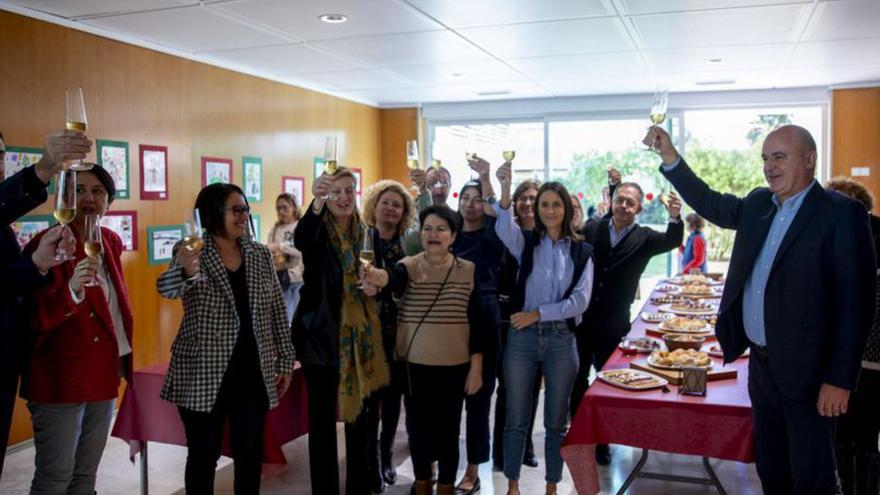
(80, 345)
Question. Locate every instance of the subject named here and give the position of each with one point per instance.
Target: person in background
(441, 337)
(694, 258)
(552, 292)
(800, 293)
(337, 334)
(524, 197)
(232, 358)
(389, 210)
(19, 194)
(80, 344)
(577, 220)
(622, 250)
(858, 461)
(288, 259)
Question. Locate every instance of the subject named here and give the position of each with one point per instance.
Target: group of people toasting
(411, 300)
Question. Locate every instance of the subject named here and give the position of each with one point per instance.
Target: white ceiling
(400, 52)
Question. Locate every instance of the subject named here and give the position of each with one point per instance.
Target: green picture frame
(160, 242)
(252, 178)
(114, 157)
(317, 166)
(258, 226)
(28, 226)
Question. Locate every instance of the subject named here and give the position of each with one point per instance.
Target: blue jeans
(551, 347)
(69, 440)
(291, 300)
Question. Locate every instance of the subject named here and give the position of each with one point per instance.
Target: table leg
(635, 472)
(712, 476)
(145, 473)
(638, 473)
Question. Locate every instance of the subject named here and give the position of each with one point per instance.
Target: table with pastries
(144, 417)
(632, 404)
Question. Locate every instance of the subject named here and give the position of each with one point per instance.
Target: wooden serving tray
(674, 376)
(656, 332)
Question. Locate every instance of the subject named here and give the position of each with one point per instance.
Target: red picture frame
(122, 214)
(296, 186)
(154, 182)
(359, 179)
(214, 168)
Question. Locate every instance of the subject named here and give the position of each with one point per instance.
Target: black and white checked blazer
(209, 329)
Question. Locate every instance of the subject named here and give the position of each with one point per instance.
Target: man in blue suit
(800, 293)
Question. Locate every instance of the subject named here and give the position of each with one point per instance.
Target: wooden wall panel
(144, 97)
(855, 136)
(399, 125)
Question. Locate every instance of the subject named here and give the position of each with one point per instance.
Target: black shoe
(474, 489)
(603, 455)
(530, 460)
(389, 474)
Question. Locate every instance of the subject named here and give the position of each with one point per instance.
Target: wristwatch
(491, 199)
(675, 219)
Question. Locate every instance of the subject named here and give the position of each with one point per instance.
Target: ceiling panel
(572, 66)
(458, 73)
(758, 25)
(846, 20)
(300, 18)
(355, 79)
(406, 49)
(80, 8)
(458, 14)
(731, 58)
(844, 52)
(192, 29)
(655, 7)
(283, 60)
(457, 93)
(551, 38)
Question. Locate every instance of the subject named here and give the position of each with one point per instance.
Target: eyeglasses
(238, 210)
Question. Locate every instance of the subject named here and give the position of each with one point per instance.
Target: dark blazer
(819, 300)
(316, 322)
(619, 269)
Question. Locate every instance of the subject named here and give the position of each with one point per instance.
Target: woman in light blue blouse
(552, 292)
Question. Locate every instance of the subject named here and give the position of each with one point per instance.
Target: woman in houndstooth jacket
(232, 357)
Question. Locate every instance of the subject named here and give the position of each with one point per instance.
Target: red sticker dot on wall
(581, 195)
(455, 195)
(650, 196)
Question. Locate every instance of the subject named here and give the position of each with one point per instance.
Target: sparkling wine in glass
(93, 245)
(367, 254)
(412, 154)
(508, 155)
(77, 121)
(658, 108)
(65, 204)
(192, 233)
(329, 163)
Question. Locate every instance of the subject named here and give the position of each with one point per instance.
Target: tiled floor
(118, 476)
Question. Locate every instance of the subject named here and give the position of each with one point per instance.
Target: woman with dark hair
(478, 243)
(441, 337)
(288, 259)
(81, 338)
(337, 334)
(694, 252)
(552, 292)
(524, 197)
(389, 210)
(232, 358)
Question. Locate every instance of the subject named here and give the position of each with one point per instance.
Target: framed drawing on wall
(252, 182)
(295, 186)
(160, 242)
(124, 223)
(359, 179)
(19, 158)
(28, 226)
(216, 170)
(153, 171)
(257, 225)
(113, 156)
(317, 166)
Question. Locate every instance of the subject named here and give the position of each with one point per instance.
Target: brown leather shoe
(423, 487)
(445, 489)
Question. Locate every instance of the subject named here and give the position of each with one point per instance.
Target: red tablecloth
(144, 417)
(718, 425)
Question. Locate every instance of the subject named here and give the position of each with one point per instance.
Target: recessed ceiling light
(716, 82)
(457, 74)
(718, 60)
(333, 18)
(494, 93)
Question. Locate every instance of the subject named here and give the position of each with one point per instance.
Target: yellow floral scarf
(362, 365)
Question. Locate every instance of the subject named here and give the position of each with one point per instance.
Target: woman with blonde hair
(288, 259)
(389, 210)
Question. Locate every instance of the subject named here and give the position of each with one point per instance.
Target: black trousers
(322, 383)
(385, 411)
(794, 445)
(242, 401)
(856, 441)
(477, 409)
(434, 414)
(596, 341)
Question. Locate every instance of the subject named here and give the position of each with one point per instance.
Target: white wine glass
(367, 255)
(329, 163)
(658, 108)
(192, 234)
(93, 245)
(412, 154)
(65, 204)
(76, 121)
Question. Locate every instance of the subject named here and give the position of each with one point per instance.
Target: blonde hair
(371, 199)
(853, 189)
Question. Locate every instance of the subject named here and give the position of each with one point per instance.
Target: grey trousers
(69, 440)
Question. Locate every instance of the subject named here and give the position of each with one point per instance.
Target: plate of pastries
(679, 358)
(656, 317)
(631, 379)
(683, 324)
(694, 279)
(689, 307)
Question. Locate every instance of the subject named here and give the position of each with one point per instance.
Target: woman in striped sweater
(440, 338)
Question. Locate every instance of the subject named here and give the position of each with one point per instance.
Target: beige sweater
(443, 339)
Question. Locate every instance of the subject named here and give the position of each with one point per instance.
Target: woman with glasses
(288, 259)
(337, 334)
(232, 358)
